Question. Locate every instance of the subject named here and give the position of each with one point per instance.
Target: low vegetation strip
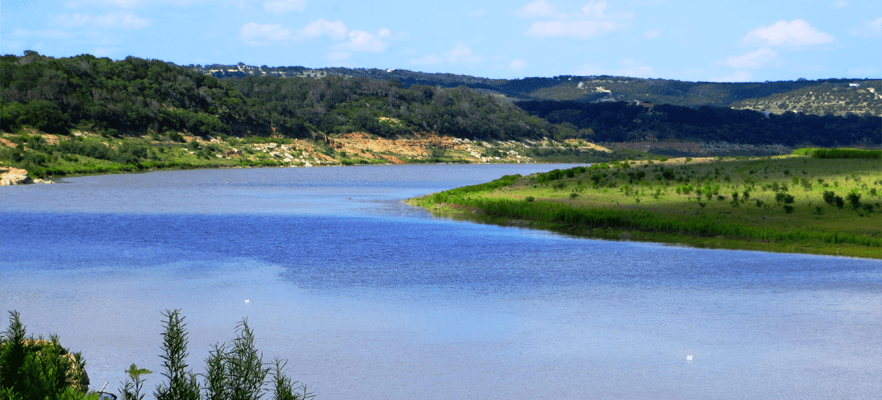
(839, 153)
(792, 204)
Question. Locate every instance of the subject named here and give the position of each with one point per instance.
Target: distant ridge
(589, 89)
(840, 99)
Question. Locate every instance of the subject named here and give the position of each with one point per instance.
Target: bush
(234, 371)
(33, 368)
(854, 199)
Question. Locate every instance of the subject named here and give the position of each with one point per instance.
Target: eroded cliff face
(14, 176)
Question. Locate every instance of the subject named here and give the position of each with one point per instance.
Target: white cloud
(753, 59)
(263, 35)
(538, 8)
(283, 6)
(783, 33)
(869, 28)
(321, 27)
(652, 34)
(461, 54)
(115, 19)
(591, 21)
(840, 4)
(517, 64)
(364, 41)
(737, 76)
(594, 9)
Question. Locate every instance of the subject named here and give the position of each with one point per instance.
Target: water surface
(370, 298)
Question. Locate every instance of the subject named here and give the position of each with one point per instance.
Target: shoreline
(600, 202)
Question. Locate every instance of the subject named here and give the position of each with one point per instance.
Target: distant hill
(839, 98)
(590, 89)
(622, 122)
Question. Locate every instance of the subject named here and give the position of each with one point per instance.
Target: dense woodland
(137, 96)
(620, 121)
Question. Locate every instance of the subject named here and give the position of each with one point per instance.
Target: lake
(367, 297)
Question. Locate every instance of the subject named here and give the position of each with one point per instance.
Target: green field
(796, 203)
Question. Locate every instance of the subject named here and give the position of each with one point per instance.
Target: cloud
(283, 6)
(461, 54)
(783, 33)
(839, 4)
(476, 13)
(115, 19)
(737, 76)
(517, 64)
(869, 28)
(652, 34)
(367, 42)
(538, 8)
(591, 21)
(753, 59)
(321, 27)
(264, 35)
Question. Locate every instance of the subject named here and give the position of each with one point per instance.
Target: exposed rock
(14, 176)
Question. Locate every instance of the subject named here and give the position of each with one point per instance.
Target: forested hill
(620, 122)
(860, 98)
(566, 87)
(136, 96)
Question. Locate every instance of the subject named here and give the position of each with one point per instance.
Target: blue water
(370, 298)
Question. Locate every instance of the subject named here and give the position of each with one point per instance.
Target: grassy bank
(46, 155)
(796, 203)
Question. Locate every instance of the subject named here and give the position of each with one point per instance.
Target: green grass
(770, 204)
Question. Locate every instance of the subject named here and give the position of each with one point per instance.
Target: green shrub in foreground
(33, 368)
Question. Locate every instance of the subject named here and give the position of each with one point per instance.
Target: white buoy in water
(688, 358)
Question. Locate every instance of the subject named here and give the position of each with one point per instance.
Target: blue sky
(685, 40)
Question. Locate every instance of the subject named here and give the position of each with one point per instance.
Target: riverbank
(46, 156)
(792, 204)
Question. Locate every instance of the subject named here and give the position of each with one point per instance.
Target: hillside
(566, 87)
(625, 122)
(828, 98)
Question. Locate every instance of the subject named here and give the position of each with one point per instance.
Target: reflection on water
(370, 298)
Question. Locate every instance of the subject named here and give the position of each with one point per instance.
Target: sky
(716, 41)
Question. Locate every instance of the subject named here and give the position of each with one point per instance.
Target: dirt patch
(418, 146)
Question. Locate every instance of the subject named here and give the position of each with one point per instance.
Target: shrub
(33, 368)
(854, 199)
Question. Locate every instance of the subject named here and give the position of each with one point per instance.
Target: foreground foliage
(791, 204)
(33, 368)
(39, 369)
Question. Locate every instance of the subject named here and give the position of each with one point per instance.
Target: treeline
(135, 96)
(620, 121)
(122, 97)
(335, 104)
